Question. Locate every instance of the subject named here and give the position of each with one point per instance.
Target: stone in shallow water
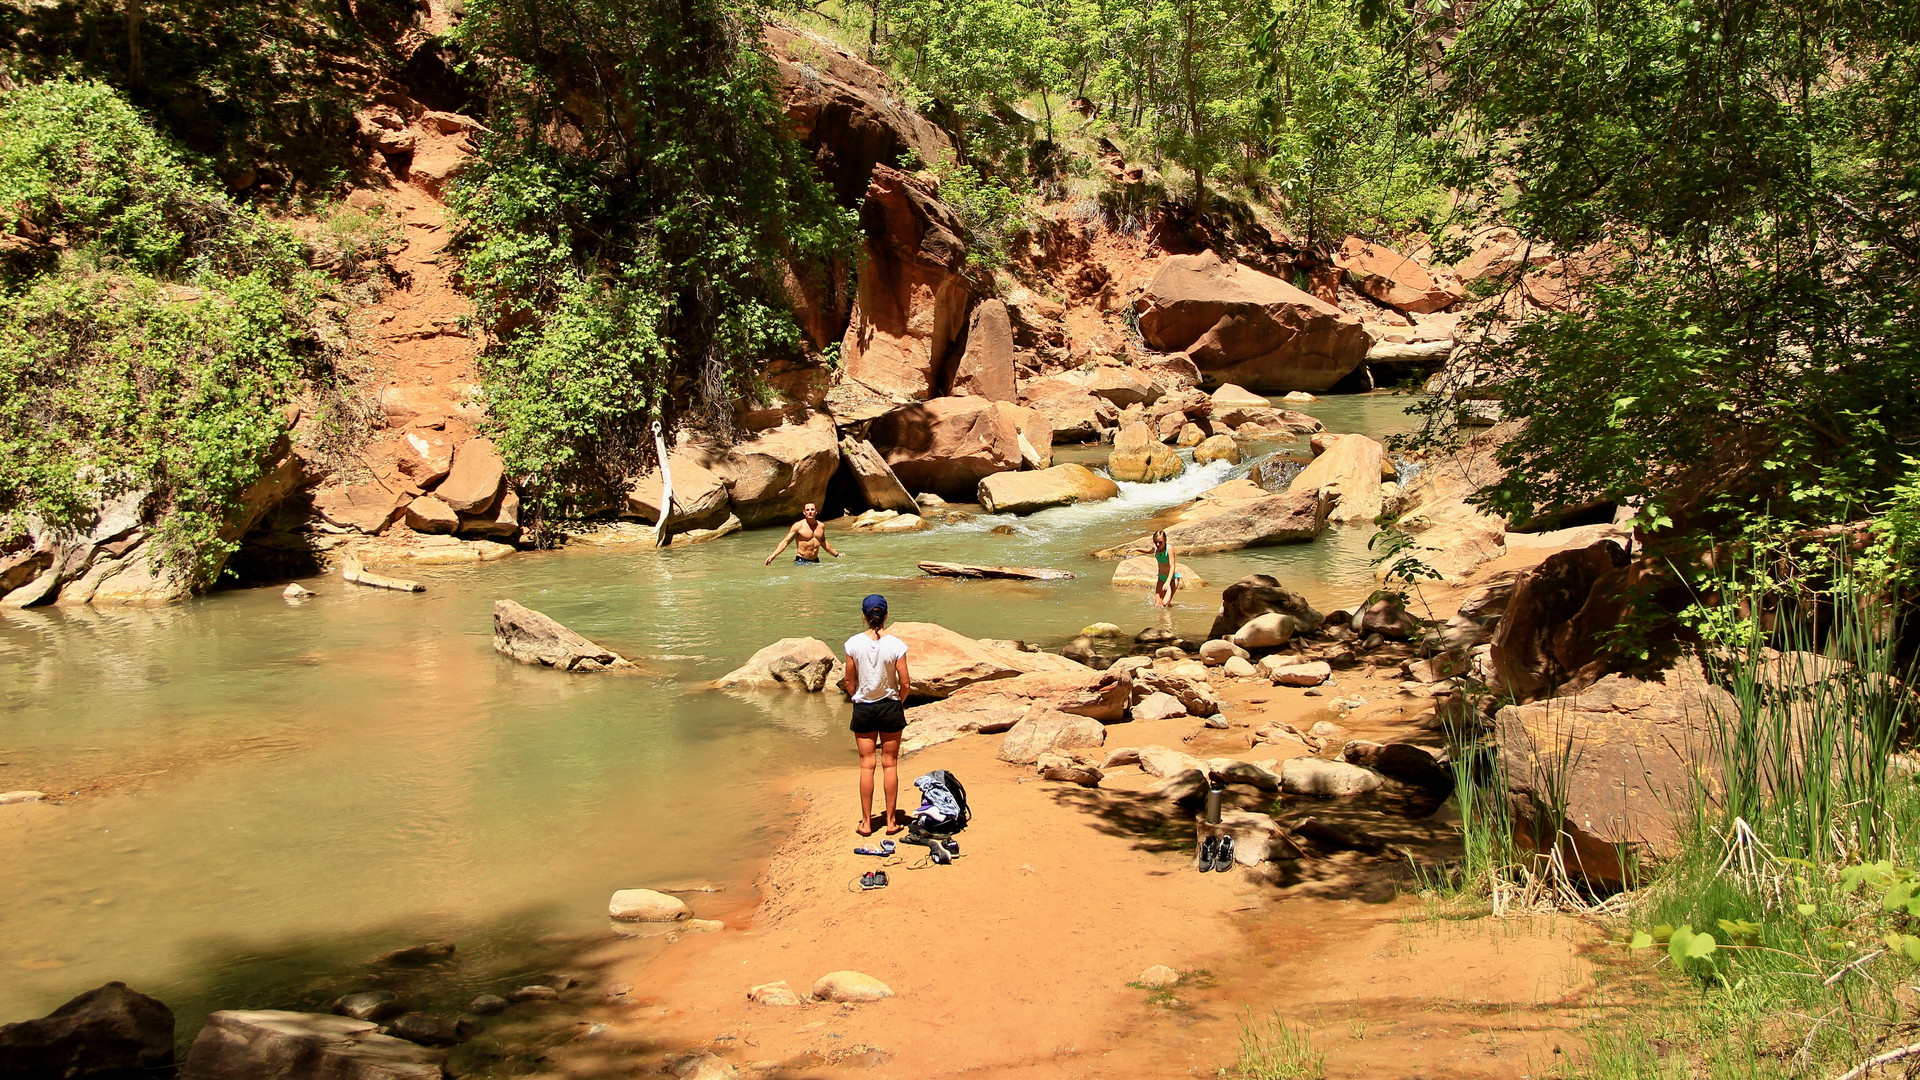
(645, 905)
(248, 1044)
(373, 1005)
(108, 1032)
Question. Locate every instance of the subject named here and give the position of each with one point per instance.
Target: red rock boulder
(1394, 279)
(948, 445)
(1239, 325)
(911, 302)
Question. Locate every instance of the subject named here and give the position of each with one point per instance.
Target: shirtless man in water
(811, 536)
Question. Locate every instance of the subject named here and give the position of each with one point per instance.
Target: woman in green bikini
(1169, 579)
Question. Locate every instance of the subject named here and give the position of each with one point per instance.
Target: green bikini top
(1163, 556)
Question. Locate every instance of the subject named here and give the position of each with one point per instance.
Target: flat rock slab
(1009, 573)
(851, 986)
(532, 638)
(247, 1044)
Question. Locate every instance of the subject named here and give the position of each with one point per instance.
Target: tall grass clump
(1276, 1050)
(1791, 908)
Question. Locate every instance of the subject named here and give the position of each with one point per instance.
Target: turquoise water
(286, 789)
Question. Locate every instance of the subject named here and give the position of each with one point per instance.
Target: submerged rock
(533, 638)
(645, 905)
(250, 1044)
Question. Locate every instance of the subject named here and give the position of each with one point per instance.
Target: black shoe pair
(873, 879)
(942, 852)
(1216, 853)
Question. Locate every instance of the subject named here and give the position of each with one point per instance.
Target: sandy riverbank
(1022, 959)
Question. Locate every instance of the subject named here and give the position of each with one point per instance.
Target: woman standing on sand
(877, 682)
(1169, 578)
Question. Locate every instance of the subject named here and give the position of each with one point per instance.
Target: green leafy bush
(160, 351)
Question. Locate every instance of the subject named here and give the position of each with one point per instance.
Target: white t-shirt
(874, 676)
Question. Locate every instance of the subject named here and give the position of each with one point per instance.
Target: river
(271, 793)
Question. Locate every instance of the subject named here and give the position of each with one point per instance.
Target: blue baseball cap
(873, 603)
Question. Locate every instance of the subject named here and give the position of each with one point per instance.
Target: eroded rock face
(911, 302)
(1026, 492)
(247, 1044)
(532, 638)
(1619, 756)
(1395, 279)
(1239, 325)
(772, 476)
(985, 368)
(846, 111)
(948, 445)
(111, 1033)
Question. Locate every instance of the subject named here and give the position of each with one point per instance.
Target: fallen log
(354, 572)
(1009, 573)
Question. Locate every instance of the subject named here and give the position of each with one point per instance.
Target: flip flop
(873, 879)
(1223, 855)
(885, 849)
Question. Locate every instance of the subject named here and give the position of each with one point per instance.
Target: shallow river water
(275, 792)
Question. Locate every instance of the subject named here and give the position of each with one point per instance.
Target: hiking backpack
(953, 787)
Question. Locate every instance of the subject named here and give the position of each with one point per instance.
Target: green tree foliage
(159, 351)
(1348, 128)
(260, 87)
(633, 229)
(1749, 169)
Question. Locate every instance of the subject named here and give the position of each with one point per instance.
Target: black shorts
(874, 717)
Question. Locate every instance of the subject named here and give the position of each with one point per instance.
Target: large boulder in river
(773, 475)
(1615, 762)
(111, 1033)
(699, 496)
(878, 484)
(1026, 492)
(941, 661)
(1394, 279)
(1242, 326)
(1275, 519)
(1348, 472)
(801, 663)
(990, 707)
(912, 299)
(532, 638)
(1139, 457)
(249, 1044)
(1143, 572)
(1256, 595)
(948, 445)
(986, 365)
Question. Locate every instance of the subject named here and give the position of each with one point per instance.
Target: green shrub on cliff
(634, 230)
(153, 338)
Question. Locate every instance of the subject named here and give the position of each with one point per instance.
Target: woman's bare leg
(866, 745)
(890, 762)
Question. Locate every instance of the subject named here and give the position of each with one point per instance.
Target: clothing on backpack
(943, 806)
